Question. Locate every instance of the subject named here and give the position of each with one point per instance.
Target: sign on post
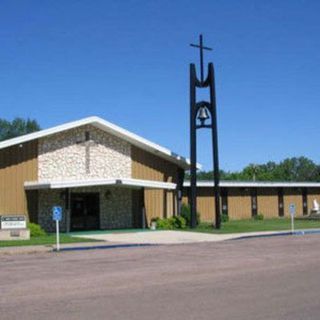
(57, 213)
(13, 222)
(292, 210)
(57, 216)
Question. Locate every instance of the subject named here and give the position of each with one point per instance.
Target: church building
(105, 177)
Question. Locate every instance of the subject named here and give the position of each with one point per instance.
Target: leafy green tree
(17, 127)
(290, 169)
(299, 169)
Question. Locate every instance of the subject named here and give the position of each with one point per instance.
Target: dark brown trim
(179, 190)
(280, 202)
(144, 217)
(305, 201)
(224, 200)
(254, 202)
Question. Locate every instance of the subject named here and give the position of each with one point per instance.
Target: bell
(203, 115)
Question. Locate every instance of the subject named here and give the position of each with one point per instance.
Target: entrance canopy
(131, 183)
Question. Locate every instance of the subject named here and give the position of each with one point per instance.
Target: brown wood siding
(239, 203)
(292, 195)
(154, 204)
(312, 193)
(146, 166)
(170, 203)
(17, 165)
(268, 202)
(205, 203)
(150, 167)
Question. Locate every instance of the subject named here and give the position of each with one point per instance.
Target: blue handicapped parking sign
(57, 213)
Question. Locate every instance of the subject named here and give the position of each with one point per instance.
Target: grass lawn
(258, 225)
(44, 240)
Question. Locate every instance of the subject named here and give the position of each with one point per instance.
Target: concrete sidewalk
(172, 237)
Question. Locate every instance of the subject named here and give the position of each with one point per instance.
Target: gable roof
(109, 127)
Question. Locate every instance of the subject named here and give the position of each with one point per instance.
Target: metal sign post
(57, 216)
(292, 210)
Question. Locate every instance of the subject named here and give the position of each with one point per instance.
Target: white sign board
(292, 209)
(13, 222)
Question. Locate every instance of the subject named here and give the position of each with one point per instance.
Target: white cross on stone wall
(87, 143)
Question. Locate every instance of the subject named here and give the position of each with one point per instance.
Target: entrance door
(84, 211)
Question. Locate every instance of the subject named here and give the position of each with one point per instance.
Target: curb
(114, 246)
(289, 233)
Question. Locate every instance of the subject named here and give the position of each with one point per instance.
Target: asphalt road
(267, 278)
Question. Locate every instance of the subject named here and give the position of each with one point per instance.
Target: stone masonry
(65, 156)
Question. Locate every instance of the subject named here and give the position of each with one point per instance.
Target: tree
(299, 169)
(17, 127)
(290, 169)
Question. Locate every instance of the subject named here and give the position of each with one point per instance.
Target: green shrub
(36, 230)
(186, 214)
(180, 222)
(171, 223)
(259, 216)
(164, 224)
(224, 217)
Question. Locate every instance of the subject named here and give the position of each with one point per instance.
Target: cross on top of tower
(201, 47)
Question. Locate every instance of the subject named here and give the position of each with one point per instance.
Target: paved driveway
(166, 237)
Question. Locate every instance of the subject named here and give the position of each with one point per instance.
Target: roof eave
(127, 182)
(253, 184)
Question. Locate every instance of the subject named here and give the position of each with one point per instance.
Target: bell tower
(203, 114)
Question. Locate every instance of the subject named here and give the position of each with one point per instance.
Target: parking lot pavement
(264, 278)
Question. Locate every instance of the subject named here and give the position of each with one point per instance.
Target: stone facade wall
(68, 156)
(116, 210)
(47, 199)
(115, 207)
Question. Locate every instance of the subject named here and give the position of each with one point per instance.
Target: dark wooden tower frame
(199, 113)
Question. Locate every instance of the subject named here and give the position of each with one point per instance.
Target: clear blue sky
(128, 62)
